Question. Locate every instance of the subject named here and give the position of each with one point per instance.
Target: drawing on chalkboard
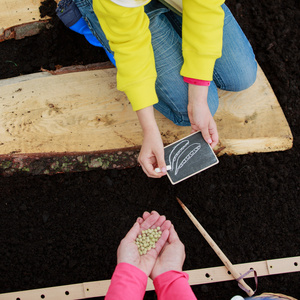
(179, 157)
(188, 157)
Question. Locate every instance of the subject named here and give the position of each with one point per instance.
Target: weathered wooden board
(78, 112)
(252, 120)
(83, 115)
(16, 12)
(20, 18)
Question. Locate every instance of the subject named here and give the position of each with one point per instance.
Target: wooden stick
(99, 288)
(217, 250)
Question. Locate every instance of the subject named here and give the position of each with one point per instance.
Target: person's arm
(202, 34)
(168, 279)
(127, 30)
(200, 50)
(130, 276)
(173, 285)
(152, 151)
(200, 115)
(128, 283)
(198, 110)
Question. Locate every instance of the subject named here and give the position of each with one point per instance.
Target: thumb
(133, 232)
(173, 237)
(160, 159)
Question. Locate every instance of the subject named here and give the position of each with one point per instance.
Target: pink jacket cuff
(196, 81)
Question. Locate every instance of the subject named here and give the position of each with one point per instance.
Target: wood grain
(15, 12)
(84, 112)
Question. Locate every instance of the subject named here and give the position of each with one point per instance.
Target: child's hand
(128, 250)
(152, 152)
(200, 115)
(171, 257)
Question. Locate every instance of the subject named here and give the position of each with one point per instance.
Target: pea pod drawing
(174, 155)
(186, 155)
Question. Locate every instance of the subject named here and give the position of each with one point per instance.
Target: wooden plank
(22, 78)
(20, 18)
(83, 113)
(197, 276)
(77, 112)
(252, 120)
(16, 12)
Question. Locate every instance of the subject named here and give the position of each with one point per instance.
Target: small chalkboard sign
(188, 157)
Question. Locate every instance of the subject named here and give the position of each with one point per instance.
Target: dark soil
(65, 229)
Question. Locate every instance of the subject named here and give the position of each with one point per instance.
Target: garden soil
(65, 229)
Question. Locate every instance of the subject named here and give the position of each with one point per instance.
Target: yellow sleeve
(202, 34)
(127, 30)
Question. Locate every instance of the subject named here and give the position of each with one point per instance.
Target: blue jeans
(234, 71)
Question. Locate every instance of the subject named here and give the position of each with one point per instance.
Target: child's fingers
(166, 225)
(146, 214)
(159, 222)
(140, 220)
(150, 220)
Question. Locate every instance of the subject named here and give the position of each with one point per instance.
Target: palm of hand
(165, 262)
(128, 250)
(171, 257)
(143, 262)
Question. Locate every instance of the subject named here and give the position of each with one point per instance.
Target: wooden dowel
(217, 250)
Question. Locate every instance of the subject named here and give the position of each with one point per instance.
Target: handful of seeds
(147, 239)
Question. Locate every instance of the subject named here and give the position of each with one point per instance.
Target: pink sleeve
(127, 283)
(173, 285)
(196, 81)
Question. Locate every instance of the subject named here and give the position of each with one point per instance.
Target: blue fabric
(68, 12)
(81, 27)
(234, 71)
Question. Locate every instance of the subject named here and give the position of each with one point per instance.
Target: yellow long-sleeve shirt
(127, 30)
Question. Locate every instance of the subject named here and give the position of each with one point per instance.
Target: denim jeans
(234, 71)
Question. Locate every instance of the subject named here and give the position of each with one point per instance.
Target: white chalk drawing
(190, 152)
(172, 160)
(183, 154)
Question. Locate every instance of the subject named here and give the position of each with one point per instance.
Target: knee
(239, 77)
(246, 77)
(177, 117)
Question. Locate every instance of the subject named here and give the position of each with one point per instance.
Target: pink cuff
(173, 285)
(128, 283)
(196, 81)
